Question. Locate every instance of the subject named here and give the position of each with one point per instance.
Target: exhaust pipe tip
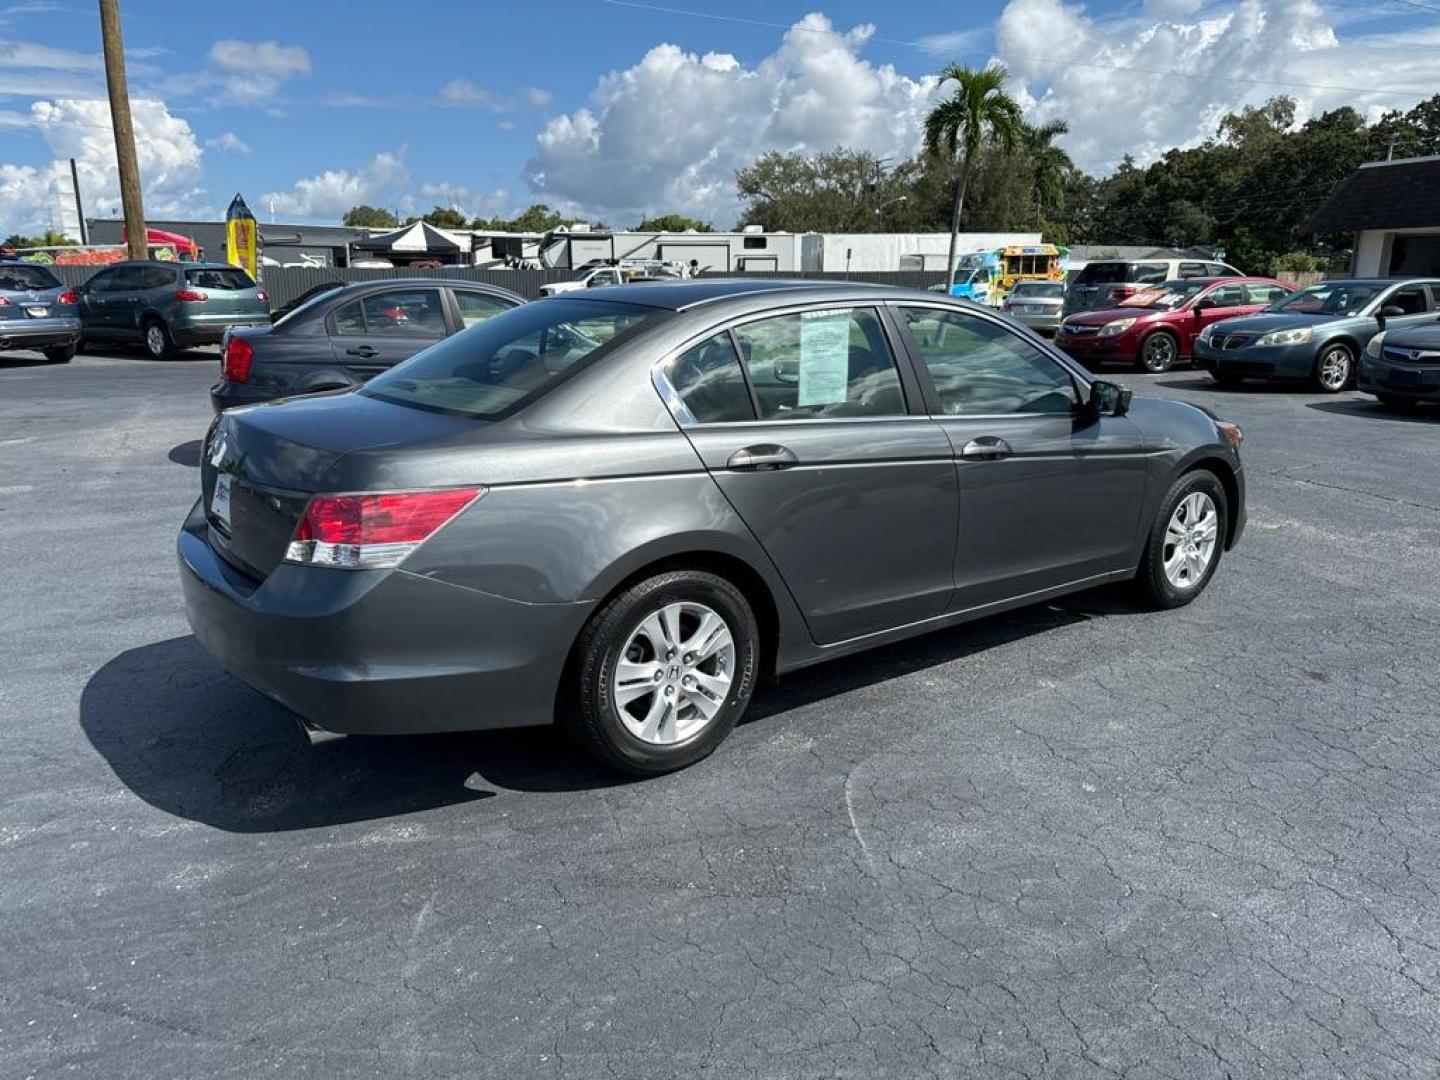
(316, 734)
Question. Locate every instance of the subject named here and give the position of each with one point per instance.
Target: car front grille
(1230, 341)
(1081, 330)
(1415, 357)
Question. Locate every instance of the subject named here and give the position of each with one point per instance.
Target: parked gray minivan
(619, 508)
(167, 306)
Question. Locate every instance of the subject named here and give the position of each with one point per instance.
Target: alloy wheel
(1190, 540)
(1159, 352)
(155, 339)
(1334, 368)
(674, 673)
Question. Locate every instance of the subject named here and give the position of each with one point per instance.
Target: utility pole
(124, 129)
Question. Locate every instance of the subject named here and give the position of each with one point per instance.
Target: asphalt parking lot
(1079, 840)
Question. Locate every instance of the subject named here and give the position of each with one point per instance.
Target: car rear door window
(476, 307)
(982, 369)
(709, 380)
(1150, 273)
(1264, 294)
(821, 364)
(1227, 296)
(1194, 269)
(393, 313)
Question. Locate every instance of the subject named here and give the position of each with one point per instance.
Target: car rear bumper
(1041, 324)
(377, 652)
(1270, 362)
(39, 333)
(1380, 376)
(210, 329)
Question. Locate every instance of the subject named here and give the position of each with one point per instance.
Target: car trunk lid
(262, 464)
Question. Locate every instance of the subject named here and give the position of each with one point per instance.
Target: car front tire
(1186, 540)
(158, 342)
(61, 354)
(1159, 352)
(1334, 368)
(662, 672)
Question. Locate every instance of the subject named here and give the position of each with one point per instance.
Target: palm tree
(977, 114)
(1049, 164)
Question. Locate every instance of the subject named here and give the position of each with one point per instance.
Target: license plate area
(220, 501)
(37, 311)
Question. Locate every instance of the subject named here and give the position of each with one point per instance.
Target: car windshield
(1166, 296)
(1038, 290)
(26, 279)
(1328, 298)
(510, 360)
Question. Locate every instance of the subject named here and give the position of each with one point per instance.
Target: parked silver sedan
(1037, 304)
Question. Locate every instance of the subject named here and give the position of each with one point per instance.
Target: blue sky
(618, 109)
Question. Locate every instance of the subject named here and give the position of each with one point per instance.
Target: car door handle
(366, 351)
(764, 457)
(986, 448)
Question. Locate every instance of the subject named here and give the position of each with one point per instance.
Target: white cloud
(465, 92)
(229, 142)
(1144, 84)
(955, 44)
(334, 191)
(168, 154)
(537, 97)
(668, 133)
(255, 70)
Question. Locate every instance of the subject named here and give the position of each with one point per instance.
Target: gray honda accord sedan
(617, 510)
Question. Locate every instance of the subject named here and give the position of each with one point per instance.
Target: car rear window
(510, 360)
(1038, 290)
(1102, 273)
(223, 278)
(26, 279)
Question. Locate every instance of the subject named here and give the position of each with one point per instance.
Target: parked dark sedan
(37, 311)
(1402, 367)
(166, 306)
(617, 509)
(342, 336)
(1317, 333)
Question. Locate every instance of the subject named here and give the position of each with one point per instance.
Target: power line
(920, 44)
(1422, 7)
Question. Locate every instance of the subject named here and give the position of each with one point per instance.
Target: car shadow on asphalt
(191, 740)
(186, 453)
(1204, 382)
(1370, 409)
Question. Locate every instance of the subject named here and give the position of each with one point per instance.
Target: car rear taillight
(190, 296)
(4, 302)
(236, 366)
(367, 532)
(69, 296)
(263, 297)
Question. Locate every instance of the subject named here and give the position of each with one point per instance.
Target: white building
(1393, 209)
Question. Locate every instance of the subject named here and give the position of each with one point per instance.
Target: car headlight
(1206, 331)
(1376, 344)
(1298, 336)
(1119, 326)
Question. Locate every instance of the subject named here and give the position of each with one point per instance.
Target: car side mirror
(1392, 311)
(1107, 399)
(1205, 304)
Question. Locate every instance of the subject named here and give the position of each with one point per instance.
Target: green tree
(1050, 166)
(445, 217)
(536, 218)
(372, 217)
(673, 223)
(979, 113)
(839, 190)
(49, 238)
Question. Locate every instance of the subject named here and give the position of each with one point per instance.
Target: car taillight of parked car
(238, 354)
(366, 532)
(69, 296)
(190, 296)
(263, 297)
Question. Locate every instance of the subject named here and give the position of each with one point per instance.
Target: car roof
(689, 293)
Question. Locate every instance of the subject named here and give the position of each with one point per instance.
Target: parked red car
(1156, 328)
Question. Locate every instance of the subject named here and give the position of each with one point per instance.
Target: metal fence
(285, 283)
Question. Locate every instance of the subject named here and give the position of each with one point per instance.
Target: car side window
(102, 282)
(476, 307)
(393, 313)
(708, 379)
(1193, 269)
(980, 368)
(1264, 294)
(155, 277)
(1411, 298)
(1151, 273)
(816, 365)
(1228, 296)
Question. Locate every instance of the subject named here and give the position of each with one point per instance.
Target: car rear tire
(1186, 540)
(1334, 368)
(157, 340)
(1159, 352)
(61, 354)
(662, 672)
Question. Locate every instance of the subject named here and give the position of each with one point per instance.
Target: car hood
(1265, 322)
(1109, 315)
(1415, 337)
